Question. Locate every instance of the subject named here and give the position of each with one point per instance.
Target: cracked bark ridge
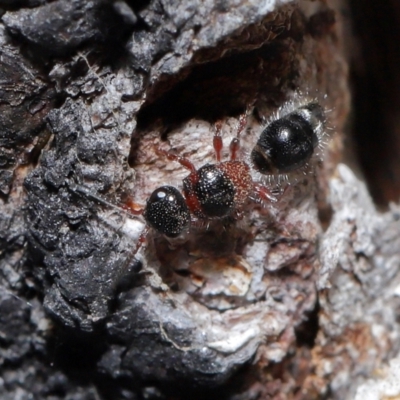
(24, 103)
(194, 314)
(60, 26)
(78, 249)
(359, 254)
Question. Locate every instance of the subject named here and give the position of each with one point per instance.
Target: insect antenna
(84, 191)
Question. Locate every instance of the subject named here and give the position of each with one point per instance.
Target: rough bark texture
(295, 300)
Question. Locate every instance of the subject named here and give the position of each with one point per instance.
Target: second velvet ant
(222, 189)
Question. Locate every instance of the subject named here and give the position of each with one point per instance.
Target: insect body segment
(220, 189)
(214, 191)
(217, 190)
(223, 189)
(238, 173)
(166, 212)
(289, 142)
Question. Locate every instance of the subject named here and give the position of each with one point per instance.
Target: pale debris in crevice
(385, 385)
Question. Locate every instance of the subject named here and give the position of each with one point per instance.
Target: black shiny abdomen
(214, 191)
(289, 142)
(166, 211)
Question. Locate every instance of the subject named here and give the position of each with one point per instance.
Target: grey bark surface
(294, 300)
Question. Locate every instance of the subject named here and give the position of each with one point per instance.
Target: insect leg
(217, 140)
(235, 143)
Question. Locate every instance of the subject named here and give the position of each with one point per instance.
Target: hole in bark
(76, 355)
(187, 389)
(129, 277)
(321, 23)
(220, 88)
(213, 90)
(308, 330)
(138, 5)
(376, 80)
(325, 216)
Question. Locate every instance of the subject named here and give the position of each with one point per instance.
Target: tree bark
(294, 299)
